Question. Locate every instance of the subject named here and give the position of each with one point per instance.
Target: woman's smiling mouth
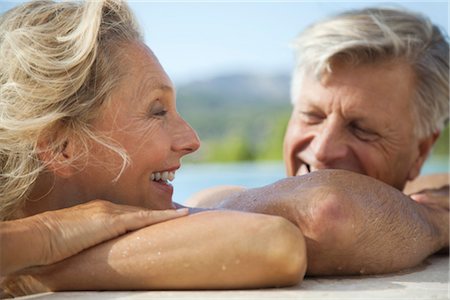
(163, 177)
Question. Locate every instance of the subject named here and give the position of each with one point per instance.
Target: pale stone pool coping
(428, 281)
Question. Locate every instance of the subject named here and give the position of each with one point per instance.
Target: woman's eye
(157, 110)
(160, 113)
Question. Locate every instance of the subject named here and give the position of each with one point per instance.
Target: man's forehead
(354, 101)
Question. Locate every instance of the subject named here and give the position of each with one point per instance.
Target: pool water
(192, 178)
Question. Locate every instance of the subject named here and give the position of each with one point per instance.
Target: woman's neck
(51, 192)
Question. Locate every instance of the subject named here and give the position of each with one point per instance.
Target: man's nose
(185, 139)
(329, 144)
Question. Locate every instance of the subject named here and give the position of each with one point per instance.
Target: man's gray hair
(378, 35)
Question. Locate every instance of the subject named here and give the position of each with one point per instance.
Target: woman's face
(141, 117)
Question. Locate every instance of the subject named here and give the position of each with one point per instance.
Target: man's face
(358, 119)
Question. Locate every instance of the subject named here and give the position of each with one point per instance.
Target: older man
(370, 95)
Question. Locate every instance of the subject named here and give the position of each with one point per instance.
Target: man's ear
(425, 146)
(59, 160)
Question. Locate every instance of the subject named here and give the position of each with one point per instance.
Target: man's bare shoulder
(211, 197)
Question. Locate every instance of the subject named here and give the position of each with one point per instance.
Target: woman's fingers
(433, 197)
(68, 231)
(143, 218)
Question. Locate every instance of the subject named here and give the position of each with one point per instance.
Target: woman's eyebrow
(150, 84)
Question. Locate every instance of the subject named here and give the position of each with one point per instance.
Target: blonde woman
(87, 113)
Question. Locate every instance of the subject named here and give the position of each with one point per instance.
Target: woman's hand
(207, 250)
(437, 198)
(55, 235)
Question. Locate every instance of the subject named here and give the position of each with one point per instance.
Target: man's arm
(353, 224)
(208, 250)
(211, 197)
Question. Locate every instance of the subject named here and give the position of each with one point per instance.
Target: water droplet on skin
(159, 252)
(224, 267)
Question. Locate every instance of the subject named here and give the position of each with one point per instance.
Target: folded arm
(208, 250)
(353, 224)
(51, 236)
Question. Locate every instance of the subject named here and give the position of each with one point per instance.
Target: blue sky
(198, 39)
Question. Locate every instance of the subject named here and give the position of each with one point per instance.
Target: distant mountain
(237, 112)
(235, 88)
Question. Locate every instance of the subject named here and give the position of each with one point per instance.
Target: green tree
(271, 147)
(441, 148)
(234, 147)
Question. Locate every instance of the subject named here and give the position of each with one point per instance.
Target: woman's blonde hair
(57, 67)
(380, 35)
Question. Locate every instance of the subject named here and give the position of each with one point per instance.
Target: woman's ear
(425, 146)
(59, 160)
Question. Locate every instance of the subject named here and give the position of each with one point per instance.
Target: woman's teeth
(164, 176)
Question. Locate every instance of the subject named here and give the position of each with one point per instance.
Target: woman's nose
(185, 139)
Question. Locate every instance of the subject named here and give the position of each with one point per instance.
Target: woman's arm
(54, 235)
(208, 250)
(427, 182)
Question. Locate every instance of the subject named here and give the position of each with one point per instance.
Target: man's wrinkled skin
(353, 223)
(349, 120)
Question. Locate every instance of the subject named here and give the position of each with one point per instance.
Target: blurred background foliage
(243, 117)
(441, 147)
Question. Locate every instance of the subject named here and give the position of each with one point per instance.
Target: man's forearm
(352, 223)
